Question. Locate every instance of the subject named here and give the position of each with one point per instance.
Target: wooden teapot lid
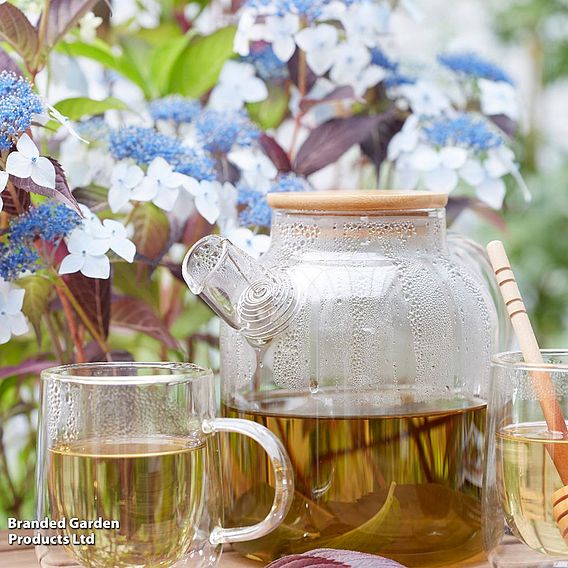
(358, 200)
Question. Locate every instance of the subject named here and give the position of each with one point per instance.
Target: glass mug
(129, 470)
(520, 475)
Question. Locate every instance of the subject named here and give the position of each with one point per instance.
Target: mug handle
(282, 467)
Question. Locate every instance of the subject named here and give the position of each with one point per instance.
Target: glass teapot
(363, 341)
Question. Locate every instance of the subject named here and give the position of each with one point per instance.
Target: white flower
(425, 98)
(26, 163)
(87, 254)
(318, 43)
(12, 320)
(406, 140)
(3, 183)
(64, 121)
(88, 25)
(237, 85)
(206, 194)
(279, 31)
(116, 237)
(367, 78)
(486, 177)
(350, 59)
(364, 22)
(162, 184)
(248, 241)
(126, 186)
(438, 167)
(257, 169)
(498, 97)
(247, 31)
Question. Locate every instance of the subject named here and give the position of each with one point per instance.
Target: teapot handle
(466, 252)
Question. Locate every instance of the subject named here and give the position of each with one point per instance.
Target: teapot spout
(257, 302)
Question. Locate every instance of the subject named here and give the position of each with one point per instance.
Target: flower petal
(18, 165)
(208, 209)
(472, 172)
(425, 158)
(117, 198)
(71, 263)
(492, 192)
(15, 301)
(27, 148)
(124, 248)
(3, 180)
(441, 179)
(166, 198)
(96, 267)
(18, 324)
(145, 191)
(43, 173)
(284, 47)
(453, 157)
(255, 90)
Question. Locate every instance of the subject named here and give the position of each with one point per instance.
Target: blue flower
(18, 103)
(50, 222)
(94, 128)
(267, 65)
(144, 144)
(310, 9)
(378, 57)
(176, 108)
(397, 79)
(465, 130)
(219, 131)
(253, 206)
(473, 65)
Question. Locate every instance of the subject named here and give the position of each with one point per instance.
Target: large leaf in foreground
(17, 31)
(78, 107)
(328, 142)
(151, 231)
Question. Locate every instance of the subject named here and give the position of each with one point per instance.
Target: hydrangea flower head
(219, 131)
(49, 221)
(268, 66)
(197, 164)
(175, 108)
(465, 130)
(396, 79)
(16, 258)
(254, 208)
(18, 104)
(94, 128)
(473, 65)
(310, 9)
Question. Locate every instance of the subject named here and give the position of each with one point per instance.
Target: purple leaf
(275, 152)
(339, 94)
(304, 561)
(456, 205)
(136, 315)
(328, 142)
(354, 559)
(93, 294)
(10, 207)
(63, 16)
(294, 69)
(60, 193)
(508, 126)
(8, 64)
(376, 144)
(29, 367)
(17, 31)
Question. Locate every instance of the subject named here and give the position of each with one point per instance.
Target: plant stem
(61, 285)
(42, 32)
(80, 358)
(54, 339)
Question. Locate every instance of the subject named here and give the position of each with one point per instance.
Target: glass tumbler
(520, 473)
(129, 471)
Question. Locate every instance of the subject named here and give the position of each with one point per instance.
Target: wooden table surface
(18, 557)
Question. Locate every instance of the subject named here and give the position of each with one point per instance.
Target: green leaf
(103, 53)
(151, 231)
(191, 320)
(78, 107)
(38, 292)
(271, 112)
(163, 60)
(130, 283)
(198, 67)
(16, 30)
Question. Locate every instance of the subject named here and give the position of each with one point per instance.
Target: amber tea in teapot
(362, 339)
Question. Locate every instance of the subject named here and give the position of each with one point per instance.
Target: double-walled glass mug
(129, 472)
(520, 530)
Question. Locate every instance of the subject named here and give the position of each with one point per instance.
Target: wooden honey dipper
(541, 380)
